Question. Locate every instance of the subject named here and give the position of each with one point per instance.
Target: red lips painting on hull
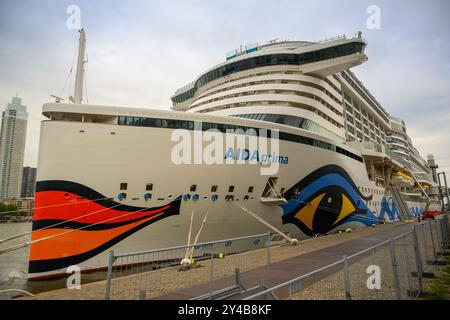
(76, 223)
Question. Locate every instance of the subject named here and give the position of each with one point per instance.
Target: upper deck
(279, 53)
(166, 119)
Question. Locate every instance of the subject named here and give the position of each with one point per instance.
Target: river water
(14, 265)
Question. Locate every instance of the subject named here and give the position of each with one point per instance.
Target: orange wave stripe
(75, 242)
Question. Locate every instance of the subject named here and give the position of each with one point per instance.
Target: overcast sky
(140, 52)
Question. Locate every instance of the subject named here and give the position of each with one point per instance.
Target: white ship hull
(81, 168)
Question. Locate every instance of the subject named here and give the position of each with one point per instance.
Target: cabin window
(231, 189)
(123, 186)
(193, 188)
(149, 187)
(250, 189)
(214, 188)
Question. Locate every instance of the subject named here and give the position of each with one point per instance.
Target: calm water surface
(14, 265)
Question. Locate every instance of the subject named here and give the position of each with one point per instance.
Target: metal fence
(391, 270)
(217, 269)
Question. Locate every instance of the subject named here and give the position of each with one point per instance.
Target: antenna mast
(79, 78)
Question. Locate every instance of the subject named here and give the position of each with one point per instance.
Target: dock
(287, 262)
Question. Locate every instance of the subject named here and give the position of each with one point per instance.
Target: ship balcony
(398, 180)
(412, 194)
(368, 148)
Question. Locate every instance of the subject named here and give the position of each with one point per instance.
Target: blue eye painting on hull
(324, 200)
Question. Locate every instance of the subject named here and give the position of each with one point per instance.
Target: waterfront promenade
(286, 261)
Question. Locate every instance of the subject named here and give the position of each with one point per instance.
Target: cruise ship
(327, 157)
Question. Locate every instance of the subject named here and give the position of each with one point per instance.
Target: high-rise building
(28, 182)
(12, 148)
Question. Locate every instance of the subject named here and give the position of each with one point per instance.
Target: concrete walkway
(288, 269)
(287, 262)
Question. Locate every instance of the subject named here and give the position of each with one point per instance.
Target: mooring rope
(254, 215)
(19, 290)
(191, 253)
(186, 255)
(55, 205)
(59, 223)
(28, 243)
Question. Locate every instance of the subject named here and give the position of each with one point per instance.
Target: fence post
(418, 261)
(425, 244)
(440, 239)
(346, 279)
(109, 275)
(444, 234)
(211, 274)
(432, 241)
(395, 271)
(268, 256)
(237, 278)
(442, 224)
(446, 231)
(447, 226)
